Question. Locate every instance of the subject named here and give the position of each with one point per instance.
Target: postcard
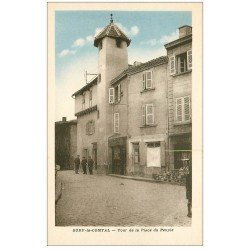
(125, 124)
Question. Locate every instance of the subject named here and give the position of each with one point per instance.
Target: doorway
(119, 160)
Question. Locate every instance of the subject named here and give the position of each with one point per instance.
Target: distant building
(65, 143)
(127, 118)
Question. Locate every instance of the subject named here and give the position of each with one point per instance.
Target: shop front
(181, 150)
(117, 147)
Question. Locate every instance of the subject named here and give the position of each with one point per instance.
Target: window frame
(111, 96)
(146, 115)
(136, 145)
(90, 127)
(175, 63)
(179, 58)
(145, 80)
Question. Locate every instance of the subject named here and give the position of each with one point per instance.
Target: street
(100, 200)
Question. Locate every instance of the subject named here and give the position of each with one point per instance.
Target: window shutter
(111, 95)
(116, 122)
(172, 65)
(189, 59)
(178, 106)
(143, 111)
(187, 113)
(149, 114)
(119, 92)
(149, 79)
(143, 81)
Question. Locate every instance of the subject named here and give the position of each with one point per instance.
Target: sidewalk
(138, 178)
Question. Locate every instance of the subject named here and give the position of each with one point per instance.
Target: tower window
(118, 43)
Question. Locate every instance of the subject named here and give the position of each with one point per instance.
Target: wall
(178, 86)
(78, 100)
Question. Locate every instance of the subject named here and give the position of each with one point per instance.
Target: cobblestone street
(101, 200)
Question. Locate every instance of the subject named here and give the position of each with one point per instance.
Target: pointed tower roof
(111, 30)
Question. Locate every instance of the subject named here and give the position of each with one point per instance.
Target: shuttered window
(143, 81)
(179, 109)
(172, 65)
(143, 109)
(119, 92)
(147, 81)
(148, 114)
(90, 127)
(116, 122)
(111, 95)
(186, 108)
(189, 59)
(182, 109)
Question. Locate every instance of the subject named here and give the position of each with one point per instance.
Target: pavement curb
(144, 179)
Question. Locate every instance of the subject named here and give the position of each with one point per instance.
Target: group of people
(86, 164)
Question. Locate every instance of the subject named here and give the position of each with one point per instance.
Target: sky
(75, 51)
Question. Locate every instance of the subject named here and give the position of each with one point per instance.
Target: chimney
(185, 31)
(137, 63)
(64, 119)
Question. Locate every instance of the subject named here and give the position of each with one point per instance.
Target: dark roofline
(66, 122)
(106, 33)
(86, 87)
(185, 26)
(178, 42)
(139, 68)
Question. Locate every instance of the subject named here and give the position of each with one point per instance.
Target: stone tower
(112, 44)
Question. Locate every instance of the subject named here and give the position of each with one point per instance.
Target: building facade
(126, 117)
(65, 143)
(140, 106)
(179, 78)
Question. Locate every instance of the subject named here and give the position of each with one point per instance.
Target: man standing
(189, 188)
(77, 164)
(90, 164)
(84, 165)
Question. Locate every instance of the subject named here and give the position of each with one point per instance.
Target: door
(136, 157)
(95, 157)
(118, 160)
(85, 153)
(122, 161)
